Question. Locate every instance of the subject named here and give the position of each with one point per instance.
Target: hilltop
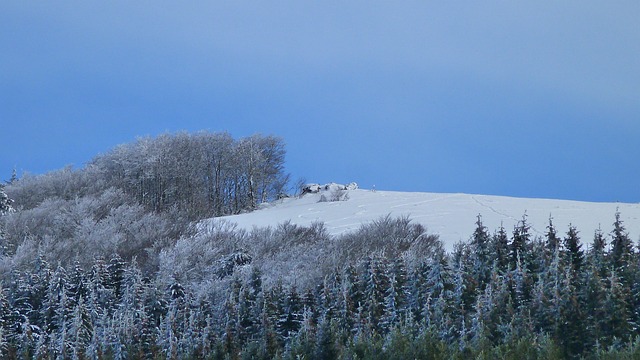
(451, 216)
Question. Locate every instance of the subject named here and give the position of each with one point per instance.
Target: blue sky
(531, 99)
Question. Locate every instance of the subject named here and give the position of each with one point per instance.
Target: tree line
(138, 198)
(499, 295)
(202, 174)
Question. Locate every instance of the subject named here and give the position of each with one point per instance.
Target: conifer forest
(114, 261)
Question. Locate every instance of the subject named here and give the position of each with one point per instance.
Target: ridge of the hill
(451, 216)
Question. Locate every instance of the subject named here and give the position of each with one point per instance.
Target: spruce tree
(617, 324)
(115, 276)
(376, 285)
(519, 243)
(480, 253)
(291, 317)
(593, 295)
(391, 306)
(546, 297)
(500, 245)
(80, 330)
(621, 249)
(5, 202)
(552, 242)
(56, 306)
(399, 270)
(596, 255)
(572, 325)
(353, 296)
(5, 208)
(39, 280)
(574, 256)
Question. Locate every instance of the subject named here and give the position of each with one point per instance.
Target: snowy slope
(451, 216)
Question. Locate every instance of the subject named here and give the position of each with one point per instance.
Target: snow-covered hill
(451, 216)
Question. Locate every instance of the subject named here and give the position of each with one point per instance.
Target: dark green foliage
(574, 256)
(500, 246)
(552, 242)
(622, 253)
(482, 259)
(553, 301)
(519, 244)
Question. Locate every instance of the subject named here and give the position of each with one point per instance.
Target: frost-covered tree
(203, 174)
(481, 257)
(552, 242)
(5, 202)
(500, 247)
(520, 243)
(574, 255)
(5, 208)
(622, 253)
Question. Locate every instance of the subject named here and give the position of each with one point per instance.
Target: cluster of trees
(499, 295)
(138, 198)
(202, 175)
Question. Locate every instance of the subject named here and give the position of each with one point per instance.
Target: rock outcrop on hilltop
(313, 188)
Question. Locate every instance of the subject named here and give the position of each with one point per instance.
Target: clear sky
(532, 99)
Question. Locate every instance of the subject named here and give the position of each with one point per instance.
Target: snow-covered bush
(335, 194)
(202, 256)
(351, 186)
(311, 189)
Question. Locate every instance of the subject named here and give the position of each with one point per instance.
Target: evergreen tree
(60, 337)
(621, 250)
(519, 280)
(80, 330)
(574, 256)
(552, 242)
(56, 306)
(39, 281)
(5, 208)
(572, 326)
(325, 340)
(375, 287)
(593, 295)
(247, 327)
(102, 297)
(624, 262)
(480, 253)
(597, 253)
(115, 276)
(546, 298)
(168, 339)
(399, 271)
(519, 243)
(271, 340)
(419, 290)
(500, 242)
(14, 177)
(353, 296)
(5, 202)
(77, 288)
(458, 304)
(291, 317)
(392, 313)
(617, 321)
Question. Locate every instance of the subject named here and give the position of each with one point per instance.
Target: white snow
(451, 216)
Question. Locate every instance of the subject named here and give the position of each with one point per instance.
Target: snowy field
(451, 216)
